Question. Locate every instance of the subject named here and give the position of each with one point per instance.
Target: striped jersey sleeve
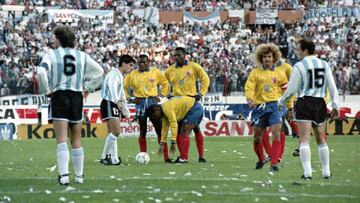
(112, 89)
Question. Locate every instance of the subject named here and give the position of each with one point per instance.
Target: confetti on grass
(284, 199)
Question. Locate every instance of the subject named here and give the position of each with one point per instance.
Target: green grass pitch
(229, 175)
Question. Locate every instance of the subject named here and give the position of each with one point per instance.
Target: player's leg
(114, 133)
(157, 125)
(199, 139)
(62, 150)
(266, 143)
(258, 146)
(304, 148)
(186, 128)
(77, 152)
(276, 145)
(323, 149)
(110, 114)
(142, 120)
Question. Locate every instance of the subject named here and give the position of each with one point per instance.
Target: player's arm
(164, 130)
(292, 87)
(172, 121)
(250, 89)
(334, 94)
(204, 79)
(283, 86)
(164, 83)
(42, 75)
(94, 74)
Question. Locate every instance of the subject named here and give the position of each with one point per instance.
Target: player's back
(66, 68)
(314, 78)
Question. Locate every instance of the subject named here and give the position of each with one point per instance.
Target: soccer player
(66, 74)
(179, 108)
(183, 77)
(263, 88)
(113, 106)
(286, 68)
(144, 82)
(311, 78)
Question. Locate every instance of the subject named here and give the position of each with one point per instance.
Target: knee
(257, 140)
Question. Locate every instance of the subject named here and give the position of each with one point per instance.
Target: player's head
(267, 55)
(305, 47)
(154, 112)
(65, 35)
(179, 55)
(143, 62)
(126, 63)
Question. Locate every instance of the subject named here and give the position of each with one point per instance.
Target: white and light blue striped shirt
(113, 86)
(69, 69)
(312, 77)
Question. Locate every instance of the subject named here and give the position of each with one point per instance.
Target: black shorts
(310, 109)
(66, 105)
(109, 110)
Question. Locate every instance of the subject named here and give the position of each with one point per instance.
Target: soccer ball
(142, 158)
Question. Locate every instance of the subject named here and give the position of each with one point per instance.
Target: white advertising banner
(67, 15)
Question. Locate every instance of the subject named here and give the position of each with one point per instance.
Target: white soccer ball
(142, 158)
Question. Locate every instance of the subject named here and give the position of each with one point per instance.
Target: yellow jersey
(145, 83)
(183, 79)
(267, 85)
(174, 110)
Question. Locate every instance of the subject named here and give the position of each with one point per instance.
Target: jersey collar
(185, 64)
(272, 68)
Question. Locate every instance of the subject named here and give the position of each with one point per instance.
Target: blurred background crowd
(223, 49)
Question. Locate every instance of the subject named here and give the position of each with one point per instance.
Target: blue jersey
(312, 77)
(69, 69)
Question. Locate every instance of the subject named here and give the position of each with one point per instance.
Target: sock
(258, 148)
(142, 144)
(114, 153)
(275, 151)
(180, 144)
(186, 145)
(324, 159)
(266, 142)
(282, 143)
(305, 158)
(62, 158)
(78, 161)
(199, 139)
(294, 127)
(166, 151)
(109, 143)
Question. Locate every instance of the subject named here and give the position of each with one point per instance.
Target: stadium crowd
(223, 49)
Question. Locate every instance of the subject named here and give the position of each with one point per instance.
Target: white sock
(109, 142)
(78, 161)
(114, 153)
(62, 158)
(324, 159)
(305, 158)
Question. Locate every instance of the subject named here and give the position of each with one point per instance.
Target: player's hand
(198, 97)
(290, 115)
(161, 148)
(173, 147)
(85, 95)
(334, 114)
(251, 103)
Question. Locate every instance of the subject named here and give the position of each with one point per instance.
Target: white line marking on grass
(247, 193)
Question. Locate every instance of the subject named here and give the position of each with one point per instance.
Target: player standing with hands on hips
(66, 74)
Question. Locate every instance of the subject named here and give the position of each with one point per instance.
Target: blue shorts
(265, 115)
(194, 115)
(144, 104)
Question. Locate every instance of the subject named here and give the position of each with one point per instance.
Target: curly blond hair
(263, 49)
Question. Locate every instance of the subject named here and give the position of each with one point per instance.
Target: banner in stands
(266, 16)
(214, 17)
(19, 114)
(149, 14)
(237, 14)
(69, 16)
(24, 99)
(333, 12)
